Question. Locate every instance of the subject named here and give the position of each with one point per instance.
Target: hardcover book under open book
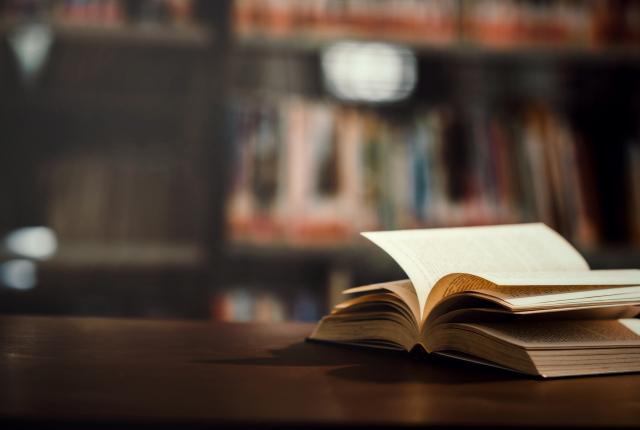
(513, 296)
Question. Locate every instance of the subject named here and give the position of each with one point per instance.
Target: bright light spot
(371, 72)
(31, 44)
(32, 242)
(18, 274)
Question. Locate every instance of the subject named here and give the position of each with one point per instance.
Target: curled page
(429, 254)
(402, 289)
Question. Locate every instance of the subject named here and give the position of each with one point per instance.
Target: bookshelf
(496, 75)
(193, 36)
(629, 54)
(114, 135)
(152, 116)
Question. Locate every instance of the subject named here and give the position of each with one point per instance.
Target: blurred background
(217, 159)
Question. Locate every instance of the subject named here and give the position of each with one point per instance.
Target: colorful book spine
(317, 173)
(260, 304)
(496, 23)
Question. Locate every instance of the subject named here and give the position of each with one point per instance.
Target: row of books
(103, 12)
(491, 22)
(576, 22)
(242, 304)
(317, 173)
(116, 199)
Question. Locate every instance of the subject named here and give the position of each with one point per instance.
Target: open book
(513, 296)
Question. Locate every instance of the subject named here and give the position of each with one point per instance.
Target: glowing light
(32, 242)
(370, 72)
(31, 44)
(18, 274)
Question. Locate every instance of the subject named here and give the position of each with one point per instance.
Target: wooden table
(90, 372)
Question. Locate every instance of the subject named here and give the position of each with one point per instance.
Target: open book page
(545, 348)
(428, 255)
(380, 303)
(560, 334)
(543, 288)
(576, 297)
(378, 319)
(581, 277)
(402, 289)
(632, 324)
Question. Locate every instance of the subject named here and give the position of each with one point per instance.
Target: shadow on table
(385, 367)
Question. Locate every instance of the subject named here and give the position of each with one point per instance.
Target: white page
(429, 254)
(591, 296)
(581, 277)
(632, 324)
(402, 288)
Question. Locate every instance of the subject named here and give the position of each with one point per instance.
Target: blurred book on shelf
(590, 23)
(434, 21)
(242, 304)
(121, 210)
(317, 173)
(498, 23)
(103, 13)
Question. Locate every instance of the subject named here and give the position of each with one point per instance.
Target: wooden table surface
(76, 372)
